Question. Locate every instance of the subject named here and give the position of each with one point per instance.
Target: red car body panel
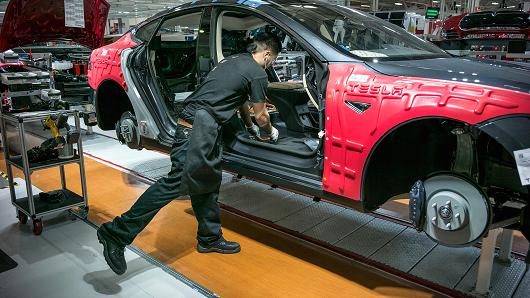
(452, 24)
(350, 137)
(12, 64)
(105, 63)
(32, 21)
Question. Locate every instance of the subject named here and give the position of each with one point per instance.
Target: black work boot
(114, 254)
(222, 246)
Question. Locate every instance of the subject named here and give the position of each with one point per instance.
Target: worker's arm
(258, 96)
(262, 116)
(252, 128)
(245, 115)
(264, 121)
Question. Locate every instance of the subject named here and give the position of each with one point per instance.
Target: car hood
(486, 72)
(31, 21)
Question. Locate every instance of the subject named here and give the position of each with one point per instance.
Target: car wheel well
(421, 147)
(406, 154)
(111, 102)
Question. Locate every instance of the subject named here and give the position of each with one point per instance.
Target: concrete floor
(67, 261)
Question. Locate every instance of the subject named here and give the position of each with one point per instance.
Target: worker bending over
(196, 152)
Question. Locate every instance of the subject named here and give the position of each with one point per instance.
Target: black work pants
(123, 229)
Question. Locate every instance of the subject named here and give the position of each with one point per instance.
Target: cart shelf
(17, 162)
(42, 208)
(30, 206)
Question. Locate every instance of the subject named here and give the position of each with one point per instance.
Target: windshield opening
(360, 35)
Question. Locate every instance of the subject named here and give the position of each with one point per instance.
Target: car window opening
(172, 52)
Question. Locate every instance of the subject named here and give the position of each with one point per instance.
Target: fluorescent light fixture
(436, 1)
(511, 6)
(398, 3)
(364, 5)
(495, 3)
(458, 5)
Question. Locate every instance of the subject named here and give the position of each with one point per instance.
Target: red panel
(105, 63)
(12, 64)
(350, 136)
(30, 21)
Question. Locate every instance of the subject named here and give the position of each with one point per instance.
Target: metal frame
(487, 256)
(19, 120)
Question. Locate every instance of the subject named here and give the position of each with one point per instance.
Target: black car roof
(501, 11)
(241, 2)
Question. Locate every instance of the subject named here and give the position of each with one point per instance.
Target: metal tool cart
(32, 206)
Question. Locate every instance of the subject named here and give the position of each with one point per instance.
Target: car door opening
(293, 112)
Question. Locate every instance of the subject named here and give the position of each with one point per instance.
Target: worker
(196, 151)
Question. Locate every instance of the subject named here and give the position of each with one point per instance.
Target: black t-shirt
(227, 87)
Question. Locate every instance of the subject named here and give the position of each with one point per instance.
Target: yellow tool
(51, 124)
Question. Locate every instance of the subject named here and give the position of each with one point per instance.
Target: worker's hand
(274, 135)
(253, 131)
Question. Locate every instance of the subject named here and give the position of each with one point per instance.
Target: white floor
(67, 261)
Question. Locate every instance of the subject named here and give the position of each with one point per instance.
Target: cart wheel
(37, 226)
(84, 212)
(22, 217)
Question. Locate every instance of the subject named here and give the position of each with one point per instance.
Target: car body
(363, 114)
(37, 31)
(512, 24)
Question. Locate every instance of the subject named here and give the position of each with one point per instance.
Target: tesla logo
(355, 87)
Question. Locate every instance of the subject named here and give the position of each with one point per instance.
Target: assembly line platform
(388, 246)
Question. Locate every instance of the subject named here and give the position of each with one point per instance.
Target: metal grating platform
(380, 241)
(310, 216)
(412, 247)
(523, 291)
(446, 265)
(281, 205)
(505, 279)
(371, 237)
(338, 226)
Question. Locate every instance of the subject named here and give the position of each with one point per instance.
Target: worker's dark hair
(263, 41)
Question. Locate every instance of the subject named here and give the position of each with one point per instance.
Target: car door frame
(274, 173)
(149, 89)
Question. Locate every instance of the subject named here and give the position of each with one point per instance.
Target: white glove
(253, 131)
(274, 135)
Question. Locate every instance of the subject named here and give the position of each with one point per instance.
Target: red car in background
(512, 24)
(38, 30)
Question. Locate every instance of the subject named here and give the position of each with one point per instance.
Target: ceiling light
(364, 5)
(398, 3)
(511, 6)
(495, 3)
(458, 5)
(436, 1)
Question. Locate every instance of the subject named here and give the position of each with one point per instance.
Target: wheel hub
(449, 210)
(457, 212)
(445, 212)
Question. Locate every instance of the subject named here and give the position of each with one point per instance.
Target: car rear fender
(105, 63)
